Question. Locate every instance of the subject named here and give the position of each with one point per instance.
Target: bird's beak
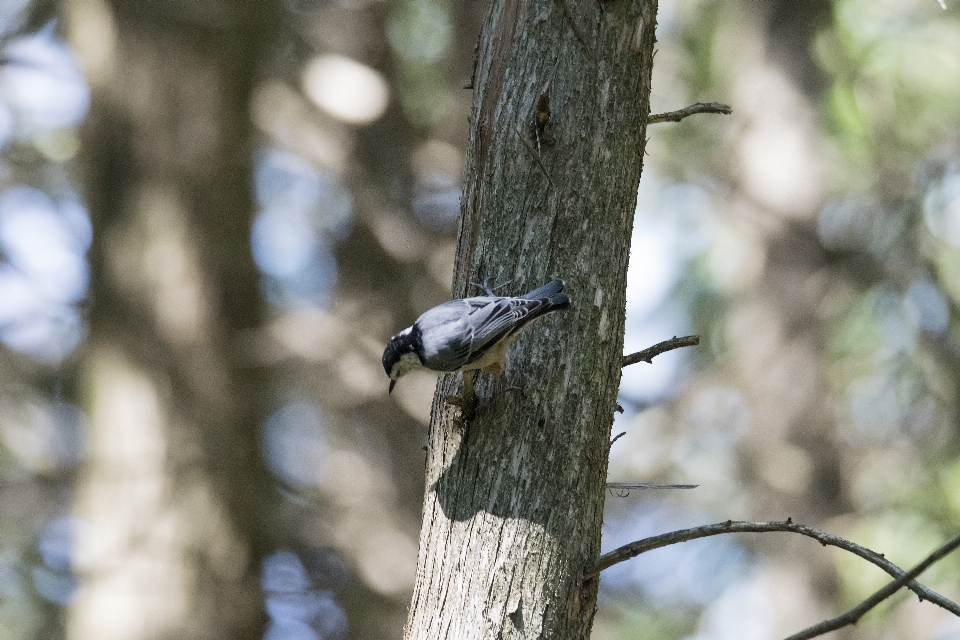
(390, 390)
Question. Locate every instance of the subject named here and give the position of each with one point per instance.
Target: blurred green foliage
(419, 32)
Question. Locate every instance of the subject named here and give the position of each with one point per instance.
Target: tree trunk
(514, 496)
(173, 491)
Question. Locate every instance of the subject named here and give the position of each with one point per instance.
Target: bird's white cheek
(408, 362)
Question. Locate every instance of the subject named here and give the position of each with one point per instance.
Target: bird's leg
(467, 400)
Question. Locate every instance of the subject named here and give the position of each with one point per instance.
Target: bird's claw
(459, 401)
(517, 389)
(466, 405)
(467, 400)
(490, 291)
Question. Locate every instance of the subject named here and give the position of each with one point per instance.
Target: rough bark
(173, 491)
(514, 496)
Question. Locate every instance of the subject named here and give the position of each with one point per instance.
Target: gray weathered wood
(514, 496)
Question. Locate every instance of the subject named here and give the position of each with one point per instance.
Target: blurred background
(213, 215)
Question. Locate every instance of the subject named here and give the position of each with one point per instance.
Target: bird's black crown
(407, 341)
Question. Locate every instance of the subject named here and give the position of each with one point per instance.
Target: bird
(469, 334)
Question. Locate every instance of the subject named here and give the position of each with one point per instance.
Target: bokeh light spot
(346, 89)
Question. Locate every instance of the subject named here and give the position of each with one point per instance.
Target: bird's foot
(490, 291)
(467, 405)
(467, 400)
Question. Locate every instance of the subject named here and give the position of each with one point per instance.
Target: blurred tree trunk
(514, 497)
(173, 492)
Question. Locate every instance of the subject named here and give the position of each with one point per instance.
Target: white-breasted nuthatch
(469, 333)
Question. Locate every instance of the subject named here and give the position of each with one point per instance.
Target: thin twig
(700, 107)
(648, 544)
(618, 436)
(536, 156)
(851, 617)
(623, 489)
(648, 354)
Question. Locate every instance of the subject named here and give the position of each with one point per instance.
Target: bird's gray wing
(458, 332)
(497, 319)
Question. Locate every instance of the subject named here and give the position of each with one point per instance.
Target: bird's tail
(552, 291)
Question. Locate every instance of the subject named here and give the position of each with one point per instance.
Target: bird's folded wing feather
(548, 290)
(492, 322)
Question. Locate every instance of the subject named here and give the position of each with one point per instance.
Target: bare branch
(700, 107)
(648, 354)
(649, 544)
(851, 617)
(623, 489)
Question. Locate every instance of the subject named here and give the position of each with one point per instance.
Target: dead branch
(648, 354)
(851, 617)
(656, 542)
(700, 107)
